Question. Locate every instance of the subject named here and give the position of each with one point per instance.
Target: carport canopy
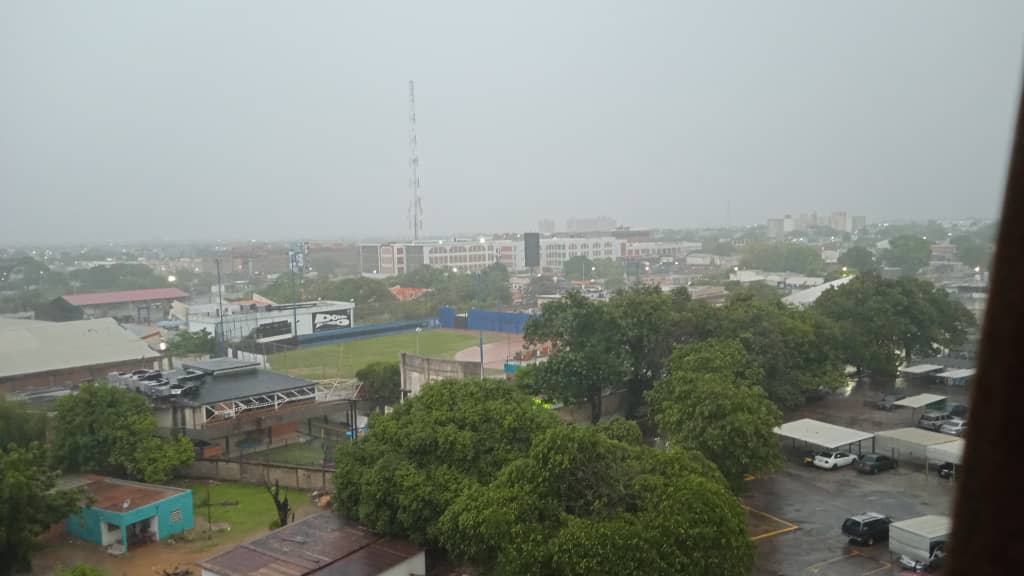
(919, 401)
(919, 369)
(821, 433)
(949, 452)
(957, 374)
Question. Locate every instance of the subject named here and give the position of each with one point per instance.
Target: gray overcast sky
(257, 119)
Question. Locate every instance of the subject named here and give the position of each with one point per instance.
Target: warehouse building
(45, 355)
(138, 306)
(323, 544)
(120, 514)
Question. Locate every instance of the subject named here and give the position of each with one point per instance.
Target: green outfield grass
(344, 359)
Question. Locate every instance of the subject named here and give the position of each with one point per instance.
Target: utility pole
(220, 308)
(416, 206)
(293, 265)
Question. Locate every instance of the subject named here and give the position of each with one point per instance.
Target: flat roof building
(320, 545)
(139, 306)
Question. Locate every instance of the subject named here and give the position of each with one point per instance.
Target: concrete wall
(613, 404)
(415, 565)
(418, 370)
(298, 477)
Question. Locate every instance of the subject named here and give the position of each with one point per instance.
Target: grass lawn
(344, 359)
(309, 453)
(252, 514)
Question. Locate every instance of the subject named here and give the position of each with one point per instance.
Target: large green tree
(972, 251)
(29, 504)
(414, 462)
(580, 503)
(579, 268)
(382, 381)
(883, 322)
(111, 430)
(643, 319)
(908, 253)
(588, 358)
(712, 402)
(19, 424)
(783, 257)
(858, 258)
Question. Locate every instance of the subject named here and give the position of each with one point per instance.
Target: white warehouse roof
(46, 346)
(955, 374)
(918, 436)
(919, 401)
(918, 369)
(948, 452)
(807, 297)
(821, 433)
(931, 526)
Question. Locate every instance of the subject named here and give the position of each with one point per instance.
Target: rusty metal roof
(322, 544)
(119, 496)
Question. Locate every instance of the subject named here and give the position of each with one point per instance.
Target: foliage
(783, 257)
(112, 431)
(579, 268)
(28, 504)
(797, 349)
(19, 424)
(81, 570)
(621, 430)
(587, 360)
(285, 513)
(382, 381)
(246, 518)
(187, 343)
(643, 323)
(973, 252)
(580, 503)
(879, 320)
(739, 292)
(414, 462)
(713, 403)
(908, 253)
(858, 258)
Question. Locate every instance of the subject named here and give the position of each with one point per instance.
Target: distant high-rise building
(775, 227)
(598, 224)
(839, 222)
(546, 226)
(788, 224)
(859, 223)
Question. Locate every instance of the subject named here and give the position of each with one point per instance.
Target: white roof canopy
(918, 436)
(821, 433)
(954, 374)
(919, 401)
(948, 452)
(918, 369)
(931, 526)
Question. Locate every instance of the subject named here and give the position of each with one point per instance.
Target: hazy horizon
(196, 121)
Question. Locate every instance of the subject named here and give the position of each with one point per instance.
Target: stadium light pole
(418, 330)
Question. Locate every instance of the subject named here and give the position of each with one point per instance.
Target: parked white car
(833, 460)
(954, 427)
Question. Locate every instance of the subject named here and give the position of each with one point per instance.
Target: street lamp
(171, 279)
(418, 330)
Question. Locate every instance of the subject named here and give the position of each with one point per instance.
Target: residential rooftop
(123, 296)
(116, 495)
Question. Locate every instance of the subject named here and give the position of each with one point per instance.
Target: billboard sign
(274, 329)
(332, 320)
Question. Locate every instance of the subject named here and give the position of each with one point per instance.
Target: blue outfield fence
(369, 331)
(486, 320)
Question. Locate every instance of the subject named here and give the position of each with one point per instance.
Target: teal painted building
(124, 514)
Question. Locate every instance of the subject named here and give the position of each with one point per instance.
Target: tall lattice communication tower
(416, 205)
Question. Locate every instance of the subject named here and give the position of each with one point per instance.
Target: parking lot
(811, 505)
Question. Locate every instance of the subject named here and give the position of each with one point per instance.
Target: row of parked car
(156, 384)
(869, 527)
(871, 463)
(945, 422)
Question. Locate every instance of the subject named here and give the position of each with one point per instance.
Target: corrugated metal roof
(930, 526)
(919, 401)
(918, 436)
(821, 433)
(322, 544)
(125, 296)
(115, 495)
(921, 369)
(47, 346)
(957, 374)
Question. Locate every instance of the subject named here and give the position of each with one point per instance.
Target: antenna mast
(416, 207)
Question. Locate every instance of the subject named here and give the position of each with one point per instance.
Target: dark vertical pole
(209, 504)
(220, 307)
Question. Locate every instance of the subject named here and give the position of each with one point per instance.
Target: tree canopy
(712, 402)
(185, 343)
(783, 257)
(109, 430)
(414, 462)
(972, 251)
(19, 424)
(908, 253)
(382, 381)
(883, 321)
(28, 504)
(858, 258)
(580, 503)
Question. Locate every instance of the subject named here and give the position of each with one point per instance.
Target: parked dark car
(886, 402)
(947, 470)
(875, 463)
(867, 528)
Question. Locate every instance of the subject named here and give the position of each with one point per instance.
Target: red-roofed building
(404, 294)
(140, 306)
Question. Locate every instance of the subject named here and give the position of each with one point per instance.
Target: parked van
(934, 420)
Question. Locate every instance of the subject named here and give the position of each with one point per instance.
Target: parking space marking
(787, 526)
(815, 568)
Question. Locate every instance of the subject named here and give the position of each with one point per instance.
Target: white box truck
(920, 543)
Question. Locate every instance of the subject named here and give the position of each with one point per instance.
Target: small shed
(123, 513)
(959, 377)
(910, 444)
(823, 434)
